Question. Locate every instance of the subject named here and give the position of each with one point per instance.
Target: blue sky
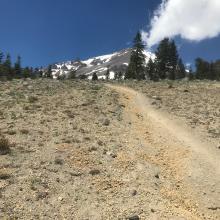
(47, 31)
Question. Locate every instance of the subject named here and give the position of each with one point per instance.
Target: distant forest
(166, 65)
(9, 70)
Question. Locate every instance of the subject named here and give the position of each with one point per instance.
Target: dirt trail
(189, 163)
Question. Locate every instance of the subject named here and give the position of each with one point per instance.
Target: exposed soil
(81, 150)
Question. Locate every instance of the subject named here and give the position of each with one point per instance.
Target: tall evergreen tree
(7, 62)
(136, 69)
(212, 74)
(107, 74)
(181, 71)
(26, 72)
(162, 59)
(1, 57)
(190, 74)
(172, 60)
(17, 67)
(94, 76)
(202, 68)
(1, 66)
(7, 69)
(150, 70)
(167, 57)
(48, 74)
(217, 69)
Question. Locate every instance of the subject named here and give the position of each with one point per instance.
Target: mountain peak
(115, 62)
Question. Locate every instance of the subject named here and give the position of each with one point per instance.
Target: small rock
(106, 122)
(134, 192)
(25, 83)
(30, 87)
(93, 148)
(60, 198)
(76, 174)
(133, 217)
(111, 154)
(94, 172)
(157, 176)
(59, 161)
(157, 98)
(41, 195)
(186, 91)
(100, 143)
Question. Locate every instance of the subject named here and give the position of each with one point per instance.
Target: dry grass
(5, 146)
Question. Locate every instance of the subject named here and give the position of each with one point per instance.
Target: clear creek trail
(189, 164)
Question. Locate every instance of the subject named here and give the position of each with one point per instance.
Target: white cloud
(193, 20)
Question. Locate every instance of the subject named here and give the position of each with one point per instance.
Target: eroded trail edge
(188, 165)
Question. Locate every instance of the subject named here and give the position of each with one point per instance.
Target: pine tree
(72, 74)
(120, 75)
(17, 66)
(26, 72)
(217, 69)
(202, 69)
(190, 74)
(48, 73)
(181, 71)
(172, 58)
(107, 74)
(166, 63)
(1, 66)
(150, 70)
(162, 59)
(212, 74)
(94, 76)
(136, 67)
(1, 57)
(7, 69)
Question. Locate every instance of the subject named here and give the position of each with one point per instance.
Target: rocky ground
(196, 102)
(74, 151)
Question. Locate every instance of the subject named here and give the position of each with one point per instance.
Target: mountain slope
(116, 62)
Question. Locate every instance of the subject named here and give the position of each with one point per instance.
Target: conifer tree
(202, 69)
(7, 69)
(190, 74)
(136, 67)
(1, 60)
(107, 74)
(7, 62)
(172, 58)
(72, 74)
(150, 70)
(181, 71)
(48, 74)
(162, 59)
(17, 66)
(120, 75)
(26, 72)
(167, 60)
(1, 57)
(212, 74)
(94, 76)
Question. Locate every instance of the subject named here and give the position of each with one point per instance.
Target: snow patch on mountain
(115, 62)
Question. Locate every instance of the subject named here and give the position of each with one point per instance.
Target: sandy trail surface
(189, 162)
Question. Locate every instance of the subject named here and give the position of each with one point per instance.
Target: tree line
(11, 70)
(167, 64)
(207, 70)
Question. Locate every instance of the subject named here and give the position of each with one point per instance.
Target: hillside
(84, 150)
(116, 62)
